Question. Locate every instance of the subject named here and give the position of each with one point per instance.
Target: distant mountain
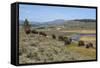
(58, 21)
(62, 21)
(80, 24)
(85, 20)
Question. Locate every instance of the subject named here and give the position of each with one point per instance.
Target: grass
(35, 48)
(91, 52)
(80, 31)
(86, 38)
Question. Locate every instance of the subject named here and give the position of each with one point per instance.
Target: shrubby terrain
(35, 48)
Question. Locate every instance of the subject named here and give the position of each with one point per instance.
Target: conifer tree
(26, 24)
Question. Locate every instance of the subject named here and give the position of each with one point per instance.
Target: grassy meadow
(34, 48)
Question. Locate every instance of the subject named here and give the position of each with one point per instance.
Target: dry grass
(36, 49)
(86, 38)
(81, 31)
(90, 52)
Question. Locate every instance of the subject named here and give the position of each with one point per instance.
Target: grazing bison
(53, 36)
(67, 41)
(70, 40)
(81, 43)
(27, 30)
(88, 45)
(61, 38)
(34, 32)
(43, 34)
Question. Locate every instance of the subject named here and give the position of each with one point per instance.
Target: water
(77, 36)
(89, 34)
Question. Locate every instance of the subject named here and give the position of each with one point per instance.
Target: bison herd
(88, 45)
(28, 31)
(66, 40)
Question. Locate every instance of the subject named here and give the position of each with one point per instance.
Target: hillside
(34, 48)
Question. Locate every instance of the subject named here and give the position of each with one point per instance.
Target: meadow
(35, 48)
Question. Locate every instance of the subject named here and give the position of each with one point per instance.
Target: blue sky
(49, 13)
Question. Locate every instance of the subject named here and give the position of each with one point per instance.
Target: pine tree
(26, 26)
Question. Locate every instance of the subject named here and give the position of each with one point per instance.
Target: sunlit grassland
(90, 52)
(80, 31)
(87, 38)
(34, 48)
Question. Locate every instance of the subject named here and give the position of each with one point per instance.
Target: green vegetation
(26, 24)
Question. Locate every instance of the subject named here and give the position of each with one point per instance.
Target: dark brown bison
(61, 38)
(27, 30)
(43, 34)
(53, 36)
(67, 41)
(88, 45)
(34, 32)
(81, 43)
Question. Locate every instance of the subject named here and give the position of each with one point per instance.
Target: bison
(53, 36)
(61, 38)
(67, 41)
(81, 43)
(34, 32)
(43, 34)
(27, 30)
(88, 45)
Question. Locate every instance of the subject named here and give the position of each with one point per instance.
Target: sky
(39, 13)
